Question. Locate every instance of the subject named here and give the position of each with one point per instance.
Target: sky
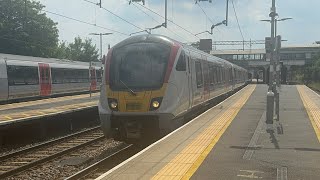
(303, 29)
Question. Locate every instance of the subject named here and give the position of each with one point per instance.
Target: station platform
(232, 141)
(23, 111)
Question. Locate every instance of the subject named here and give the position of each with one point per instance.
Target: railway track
(102, 166)
(16, 162)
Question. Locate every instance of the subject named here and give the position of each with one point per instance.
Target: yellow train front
(151, 82)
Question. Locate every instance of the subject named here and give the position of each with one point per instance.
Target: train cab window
(139, 66)
(199, 75)
(181, 64)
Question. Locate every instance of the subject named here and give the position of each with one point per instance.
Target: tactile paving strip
(190, 158)
(311, 107)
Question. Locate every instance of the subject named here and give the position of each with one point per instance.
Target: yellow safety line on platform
(9, 118)
(185, 164)
(45, 101)
(312, 109)
(46, 112)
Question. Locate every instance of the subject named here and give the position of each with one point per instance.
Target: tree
(315, 68)
(25, 30)
(79, 50)
(61, 51)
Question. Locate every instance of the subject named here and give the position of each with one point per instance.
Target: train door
(189, 74)
(3, 81)
(93, 80)
(45, 79)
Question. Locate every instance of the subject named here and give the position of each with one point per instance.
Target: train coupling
(131, 130)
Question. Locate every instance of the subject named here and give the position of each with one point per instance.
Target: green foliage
(61, 51)
(311, 72)
(25, 30)
(316, 68)
(79, 50)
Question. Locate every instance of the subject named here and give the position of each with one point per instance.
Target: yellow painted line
(185, 164)
(45, 101)
(26, 115)
(312, 109)
(45, 112)
(40, 112)
(8, 117)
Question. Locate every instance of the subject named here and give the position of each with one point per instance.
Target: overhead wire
(208, 17)
(156, 20)
(205, 14)
(234, 10)
(84, 22)
(115, 14)
(169, 20)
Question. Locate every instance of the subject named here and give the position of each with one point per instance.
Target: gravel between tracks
(58, 169)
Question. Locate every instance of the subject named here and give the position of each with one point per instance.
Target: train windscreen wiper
(132, 92)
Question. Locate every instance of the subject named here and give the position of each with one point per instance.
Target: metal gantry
(148, 30)
(224, 22)
(100, 34)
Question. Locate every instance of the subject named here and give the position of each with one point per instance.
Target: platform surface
(232, 141)
(17, 112)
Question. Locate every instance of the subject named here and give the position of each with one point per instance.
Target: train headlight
(155, 103)
(113, 104)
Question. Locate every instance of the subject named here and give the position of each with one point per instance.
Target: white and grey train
(26, 76)
(151, 82)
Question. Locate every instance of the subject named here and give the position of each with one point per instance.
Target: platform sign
(278, 42)
(268, 56)
(268, 44)
(205, 45)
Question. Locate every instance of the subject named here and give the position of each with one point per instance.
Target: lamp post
(276, 20)
(275, 51)
(277, 48)
(100, 34)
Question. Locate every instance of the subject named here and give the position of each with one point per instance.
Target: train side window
(215, 75)
(222, 75)
(22, 75)
(211, 75)
(181, 64)
(199, 75)
(219, 75)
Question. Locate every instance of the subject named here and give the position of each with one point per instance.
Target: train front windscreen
(139, 66)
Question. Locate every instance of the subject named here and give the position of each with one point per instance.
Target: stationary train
(25, 77)
(152, 82)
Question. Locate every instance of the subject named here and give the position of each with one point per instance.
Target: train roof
(166, 40)
(41, 59)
